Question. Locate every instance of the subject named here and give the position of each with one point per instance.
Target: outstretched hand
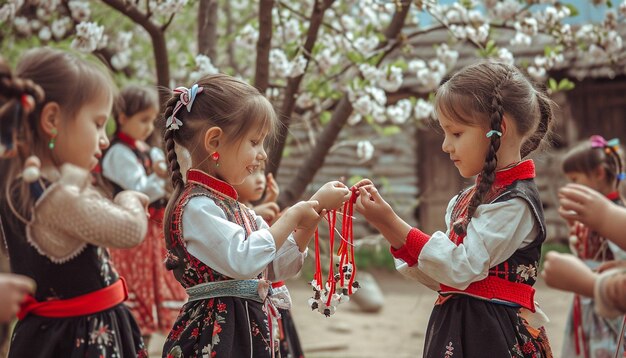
(268, 211)
(331, 195)
(272, 190)
(13, 290)
(308, 217)
(583, 204)
(568, 273)
(370, 204)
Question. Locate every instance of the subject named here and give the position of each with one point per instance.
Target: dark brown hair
(481, 94)
(134, 99)
(225, 102)
(64, 78)
(585, 158)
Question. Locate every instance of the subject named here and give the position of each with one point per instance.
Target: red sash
(498, 288)
(86, 304)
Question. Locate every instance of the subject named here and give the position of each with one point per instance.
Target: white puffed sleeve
(120, 165)
(221, 244)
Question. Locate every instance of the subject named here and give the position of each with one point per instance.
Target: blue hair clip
(492, 132)
(613, 142)
(621, 176)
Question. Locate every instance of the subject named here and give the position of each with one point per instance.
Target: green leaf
(325, 117)
(572, 9)
(355, 57)
(391, 130)
(566, 85)
(553, 85)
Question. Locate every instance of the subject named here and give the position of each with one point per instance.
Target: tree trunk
(207, 28)
(293, 86)
(327, 138)
(158, 42)
(263, 46)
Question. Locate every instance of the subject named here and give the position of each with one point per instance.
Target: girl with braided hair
(597, 164)
(485, 263)
(57, 226)
(221, 252)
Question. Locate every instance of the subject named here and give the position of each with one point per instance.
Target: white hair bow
(187, 96)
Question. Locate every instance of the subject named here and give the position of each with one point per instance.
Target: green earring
(53, 139)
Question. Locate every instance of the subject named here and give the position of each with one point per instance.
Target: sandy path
(397, 331)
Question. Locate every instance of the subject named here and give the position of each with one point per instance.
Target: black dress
(111, 333)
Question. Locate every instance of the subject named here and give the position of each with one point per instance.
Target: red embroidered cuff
(410, 251)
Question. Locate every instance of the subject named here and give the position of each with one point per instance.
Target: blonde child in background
(155, 297)
(596, 163)
(485, 264)
(221, 251)
(56, 225)
(252, 190)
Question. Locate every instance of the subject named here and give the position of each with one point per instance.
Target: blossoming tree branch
(325, 64)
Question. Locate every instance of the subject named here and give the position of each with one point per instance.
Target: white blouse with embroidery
(221, 244)
(121, 166)
(495, 232)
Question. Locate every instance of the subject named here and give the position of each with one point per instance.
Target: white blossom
(297, 66)
(327, 58)
(504, 55)
(289, 31)
(447, 56)
(506, 9)
(88, 36)
(120, 60)
(59, 27)
(400, 112)
(366, 45)
(21, 25)
(377, 94)
(354, 118)
(537, 73)
(204, 67)
(391, 80)
(45, 34)
(364, 150)
(423, 109)
(80, 10)
(363, 105)
(168, 7)
(248, 37)
(370, 72)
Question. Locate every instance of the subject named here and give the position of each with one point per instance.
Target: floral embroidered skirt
(112, 334)
(221, 327)
(154, 295)
(467, 327)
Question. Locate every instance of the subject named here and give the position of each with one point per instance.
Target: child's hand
(271, 189)
(268, 211)
(307, 215)
(581, 203)
(331, 195)
(568, 273)
(13, 290)
(160, 168)
(370, 204)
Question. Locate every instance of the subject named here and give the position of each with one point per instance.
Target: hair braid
(175, 176)
(170, 146)
(487, 176)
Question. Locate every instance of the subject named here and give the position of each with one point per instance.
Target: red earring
(216, 156)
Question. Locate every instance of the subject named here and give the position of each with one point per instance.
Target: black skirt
(468, 327)
(221, 327)
(112, 333)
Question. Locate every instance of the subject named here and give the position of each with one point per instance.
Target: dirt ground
(396, 331)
